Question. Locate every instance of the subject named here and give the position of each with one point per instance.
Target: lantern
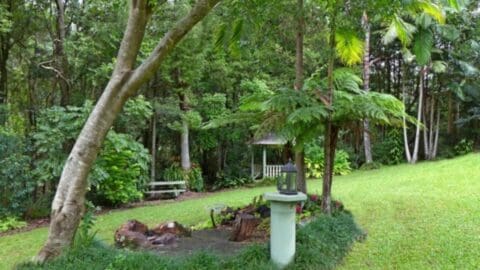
(287, 181)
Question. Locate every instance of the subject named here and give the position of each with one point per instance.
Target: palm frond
(399, 29)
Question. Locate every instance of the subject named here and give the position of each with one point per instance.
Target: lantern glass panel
(287, 182)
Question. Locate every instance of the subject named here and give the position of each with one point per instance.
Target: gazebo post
(264, 162)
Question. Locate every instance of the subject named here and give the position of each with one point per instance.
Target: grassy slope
(417, 217)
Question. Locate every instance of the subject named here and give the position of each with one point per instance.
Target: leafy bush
(121, 171)
(193, 177)
(16, 182)
(11, 223)
(314, 161)
(57, 129)
(390, 150)
(135, 114)
(231, 182)
(371, 166)
(463, 147)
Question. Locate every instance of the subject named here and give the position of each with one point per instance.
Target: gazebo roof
(270, 139)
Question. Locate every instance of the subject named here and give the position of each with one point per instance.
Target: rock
(134, 226)
(130, 239)
(171, 227)
(165, 239)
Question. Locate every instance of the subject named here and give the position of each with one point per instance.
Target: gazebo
(267, 170)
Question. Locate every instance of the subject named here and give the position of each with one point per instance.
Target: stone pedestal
(282, 226)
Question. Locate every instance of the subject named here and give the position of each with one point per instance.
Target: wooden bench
(167, 187)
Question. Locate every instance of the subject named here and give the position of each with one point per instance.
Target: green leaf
(422, 46)
(449, 32)
(439, 66)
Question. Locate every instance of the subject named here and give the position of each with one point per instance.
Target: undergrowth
(322, 244)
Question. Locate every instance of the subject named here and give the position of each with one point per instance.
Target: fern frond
(349, 47)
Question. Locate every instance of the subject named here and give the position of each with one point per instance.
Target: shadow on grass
(322, 244)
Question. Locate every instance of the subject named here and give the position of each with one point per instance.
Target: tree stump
(245, 225)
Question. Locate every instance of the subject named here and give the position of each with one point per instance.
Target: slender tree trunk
(366, 86)
(425, 129)
(450, 115)
(154, 146)
(299, 78)
(405, 135)
(185, 148)
(60, 57)
(330, 130)
(419, 117)
(437, 131)
(184, 136)
(4, 53)
(431, 126)
(126, 80)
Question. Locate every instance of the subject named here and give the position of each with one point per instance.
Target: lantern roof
(270, 139)
(289, 167)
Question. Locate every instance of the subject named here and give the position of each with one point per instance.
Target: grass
(425, 216)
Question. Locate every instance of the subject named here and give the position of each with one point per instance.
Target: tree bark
(68, 204)
(60, 57)
(185, 148)
(184, 136)
(437, 131)
(329, 156)
(299, 80)
(405, 135)
(419, 117)
(330, 130)
(366, 86)
(154, 146)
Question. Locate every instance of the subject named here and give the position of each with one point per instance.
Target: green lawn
(425, 216)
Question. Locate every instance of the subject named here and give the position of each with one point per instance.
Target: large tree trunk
(299, 153)
(366, 86)
(329, 157)
(60, 57)
(68, 204)
(419, 117)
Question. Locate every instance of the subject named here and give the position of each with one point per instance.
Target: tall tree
(299, 78)
(60, 57)
(366, 86)
(126, 80)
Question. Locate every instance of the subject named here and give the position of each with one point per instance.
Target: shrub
(11, 223)
(314, 161)
(16, 182)
(193, 177)
(390, 150)
(121, 171)
(321, 244)
(463, 147)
